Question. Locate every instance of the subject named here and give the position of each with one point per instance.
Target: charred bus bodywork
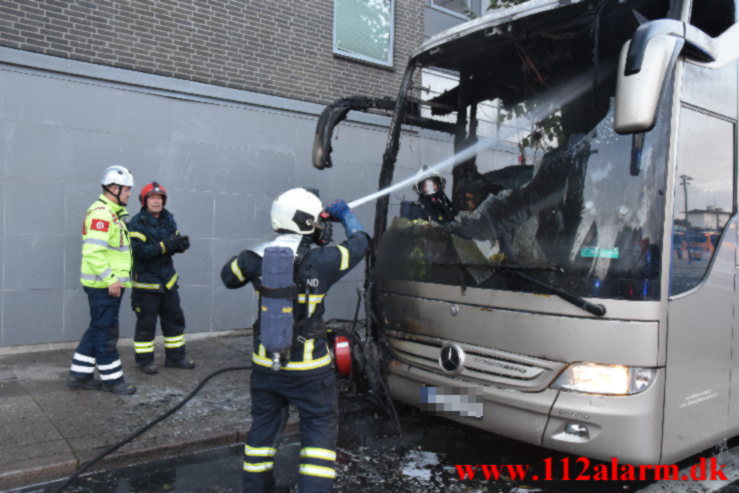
(554, 309)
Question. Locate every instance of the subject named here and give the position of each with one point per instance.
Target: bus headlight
(593, 378)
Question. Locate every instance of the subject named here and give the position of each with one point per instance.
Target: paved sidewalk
(47, 430)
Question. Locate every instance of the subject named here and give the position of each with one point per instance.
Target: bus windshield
(558, 195)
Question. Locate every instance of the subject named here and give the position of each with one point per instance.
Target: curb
(19, 476)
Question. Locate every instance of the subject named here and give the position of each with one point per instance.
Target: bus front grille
(480, 365)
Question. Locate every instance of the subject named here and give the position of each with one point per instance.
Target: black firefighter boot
(76, 383)
(184, 363)
(121, 388)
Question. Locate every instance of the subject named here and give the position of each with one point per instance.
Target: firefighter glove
(184, 243)
(338, 210)
(173, 244)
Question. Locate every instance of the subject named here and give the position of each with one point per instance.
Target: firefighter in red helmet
(154, 240)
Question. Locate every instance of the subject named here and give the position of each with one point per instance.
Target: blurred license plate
(459, 401)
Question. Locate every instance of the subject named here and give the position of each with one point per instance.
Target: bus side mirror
(638, 94)
(644, 65)
(332, 115)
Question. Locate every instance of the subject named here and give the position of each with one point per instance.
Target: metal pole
(685, 180)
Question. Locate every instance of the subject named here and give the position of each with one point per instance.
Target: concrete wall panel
(235, 170)
(45, 271)
(234, 215)
(33, 206)
(72, 259)
(195, 266)
(274, 171)
(32, 316)
(32, 146)
(76, 312)
(194, 211)
(234, 309)
(197, 303)
(262, 227)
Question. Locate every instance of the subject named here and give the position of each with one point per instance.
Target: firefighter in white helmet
(105, 272)
(303, 373)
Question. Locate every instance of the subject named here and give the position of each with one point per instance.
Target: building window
(363, 29)
(458, 8)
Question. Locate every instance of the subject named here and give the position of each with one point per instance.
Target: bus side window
(703, 194)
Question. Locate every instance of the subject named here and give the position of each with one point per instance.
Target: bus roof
(491, 19)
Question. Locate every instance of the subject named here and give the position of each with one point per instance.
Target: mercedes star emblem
(451, 358)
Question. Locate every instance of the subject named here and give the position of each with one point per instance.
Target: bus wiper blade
(595, 308)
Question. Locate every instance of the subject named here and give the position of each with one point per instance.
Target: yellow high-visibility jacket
(106, 249)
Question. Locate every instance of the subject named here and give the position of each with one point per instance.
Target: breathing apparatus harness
(279, 288)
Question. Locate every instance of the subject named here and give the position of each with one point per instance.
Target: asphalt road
(373, 456)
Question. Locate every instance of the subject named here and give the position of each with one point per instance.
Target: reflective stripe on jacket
(106, 249)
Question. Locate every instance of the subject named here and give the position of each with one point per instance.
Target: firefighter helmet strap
(116, 195)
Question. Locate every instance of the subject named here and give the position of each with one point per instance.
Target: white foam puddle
(418, 464)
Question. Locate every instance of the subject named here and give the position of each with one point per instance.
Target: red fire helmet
(151, 188)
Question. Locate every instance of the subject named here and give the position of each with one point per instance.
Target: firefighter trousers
(148, 305)
(98, 344)
(315, 396)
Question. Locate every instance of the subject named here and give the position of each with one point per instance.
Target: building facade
(215, 100)
(269, 47)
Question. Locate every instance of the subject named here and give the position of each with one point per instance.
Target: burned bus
(555, 308)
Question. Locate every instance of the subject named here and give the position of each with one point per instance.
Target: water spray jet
(548, 102)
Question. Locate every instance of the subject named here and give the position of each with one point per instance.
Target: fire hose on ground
(147, 427)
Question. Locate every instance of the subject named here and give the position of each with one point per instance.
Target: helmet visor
(429, 186)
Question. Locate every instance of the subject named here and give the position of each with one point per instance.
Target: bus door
(700, 313)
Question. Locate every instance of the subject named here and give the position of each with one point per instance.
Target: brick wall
(267, 46)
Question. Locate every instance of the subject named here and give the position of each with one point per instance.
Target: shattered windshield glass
(558, 196)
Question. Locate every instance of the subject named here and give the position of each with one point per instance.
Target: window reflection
(363, 29)
(703, 195)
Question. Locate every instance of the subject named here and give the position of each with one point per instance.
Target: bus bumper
(600, 427)
(510, 413)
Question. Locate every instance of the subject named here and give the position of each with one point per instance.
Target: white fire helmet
(296, 210)
(117, 175)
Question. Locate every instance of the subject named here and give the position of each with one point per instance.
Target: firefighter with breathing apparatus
(432, 204)
(292, 361)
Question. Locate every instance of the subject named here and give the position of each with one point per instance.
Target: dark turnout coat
(153, 269)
